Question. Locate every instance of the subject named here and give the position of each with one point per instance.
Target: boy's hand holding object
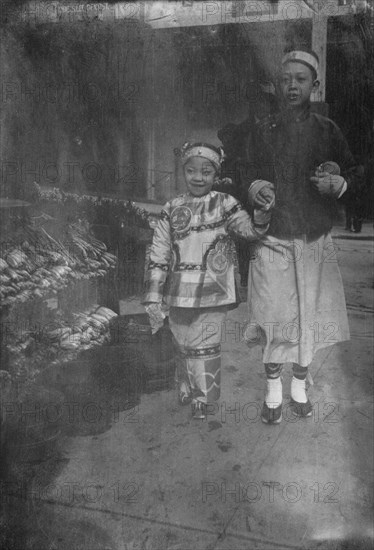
(328, 181)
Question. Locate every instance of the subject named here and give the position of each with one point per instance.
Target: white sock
(298, 390)
(273, 396)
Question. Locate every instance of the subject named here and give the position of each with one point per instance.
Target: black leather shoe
(304, 410)
(271, 416)
(184, 394)
(184, 399)
(198, 410)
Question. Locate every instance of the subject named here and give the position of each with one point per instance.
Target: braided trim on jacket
(205, 226)
(233, 210)
(189, 267)
(155, 265)
(198, 229)
(203, 352)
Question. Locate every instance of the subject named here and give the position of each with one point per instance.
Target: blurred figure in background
(356, 207)
(240, 162)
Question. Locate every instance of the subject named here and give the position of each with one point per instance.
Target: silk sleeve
(240, 223)
(159, 259)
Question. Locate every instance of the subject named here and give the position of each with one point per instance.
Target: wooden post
(150, 61)
(151, 191)
(319, 45)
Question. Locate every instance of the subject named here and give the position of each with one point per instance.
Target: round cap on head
(309, 59)
(204, 150)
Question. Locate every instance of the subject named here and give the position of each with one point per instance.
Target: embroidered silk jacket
(191, 261)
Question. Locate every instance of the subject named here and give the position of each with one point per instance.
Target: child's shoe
(198, 410)
(184, 394)
(300, 404)
(272, 408)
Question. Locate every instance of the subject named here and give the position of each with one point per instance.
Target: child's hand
(330, 185)
(265, 198)
(261, 195)
(156, 316)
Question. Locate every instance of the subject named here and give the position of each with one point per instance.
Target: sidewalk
(154, 479)
(366, 234)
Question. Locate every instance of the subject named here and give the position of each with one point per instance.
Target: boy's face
(296, 84)
(199, 174)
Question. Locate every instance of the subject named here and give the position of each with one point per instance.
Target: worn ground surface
(149, 477)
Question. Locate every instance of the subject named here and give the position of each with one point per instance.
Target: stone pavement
(155, 479)
(366, 234)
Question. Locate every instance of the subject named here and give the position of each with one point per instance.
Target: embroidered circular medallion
(180, 218)
(218, 258)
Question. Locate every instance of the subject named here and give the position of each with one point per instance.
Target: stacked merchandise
(32, 348)
(43, 262)
(41, 265)
(54, 273)
(125, 227)
(93, 207)
(89, 328)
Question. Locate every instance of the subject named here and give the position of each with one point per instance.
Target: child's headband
(303, 57)
(188, 150)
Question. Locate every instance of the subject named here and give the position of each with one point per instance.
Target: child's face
(199, 174)
(296, 84)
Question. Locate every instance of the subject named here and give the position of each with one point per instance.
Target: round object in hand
(330, 167)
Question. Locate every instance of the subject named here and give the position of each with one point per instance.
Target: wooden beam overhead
(166, 14)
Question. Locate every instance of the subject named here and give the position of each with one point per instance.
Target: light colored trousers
(197, 334)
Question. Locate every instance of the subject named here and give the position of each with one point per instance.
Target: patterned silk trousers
(197, 334)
